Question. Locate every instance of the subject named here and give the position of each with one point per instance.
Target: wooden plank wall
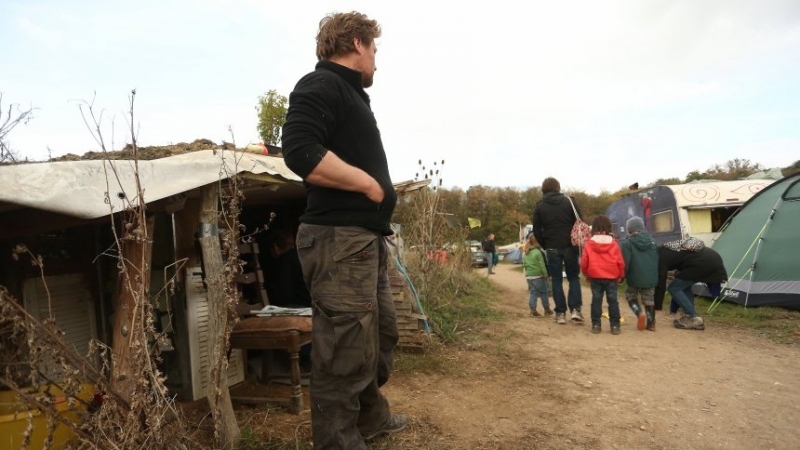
(409, 323)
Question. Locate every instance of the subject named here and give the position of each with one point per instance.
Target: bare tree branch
(13, 116)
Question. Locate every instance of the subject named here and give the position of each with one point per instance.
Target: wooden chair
(252, 275)
(287, 333)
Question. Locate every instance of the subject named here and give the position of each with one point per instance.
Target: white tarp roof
(77, 188)
(710, 194)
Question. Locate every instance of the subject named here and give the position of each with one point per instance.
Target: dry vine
(131, 408)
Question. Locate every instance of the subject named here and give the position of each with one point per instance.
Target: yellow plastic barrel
(14, 416)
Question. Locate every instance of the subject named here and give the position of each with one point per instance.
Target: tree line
(504, 210)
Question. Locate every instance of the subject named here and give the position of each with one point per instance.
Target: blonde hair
(531, 243)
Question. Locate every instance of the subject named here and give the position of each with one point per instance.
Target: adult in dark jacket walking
(703, 265)
(553, 218)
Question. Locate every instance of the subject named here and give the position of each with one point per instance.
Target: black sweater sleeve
(311, 117)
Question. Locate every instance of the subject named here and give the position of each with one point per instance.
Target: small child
(535, 268)
(640, 253)
(603, 267)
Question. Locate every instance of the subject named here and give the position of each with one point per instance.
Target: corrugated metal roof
(78, 188)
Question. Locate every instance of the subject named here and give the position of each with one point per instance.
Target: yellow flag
(474, 223)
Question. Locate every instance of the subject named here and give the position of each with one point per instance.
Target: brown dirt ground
(529, 383)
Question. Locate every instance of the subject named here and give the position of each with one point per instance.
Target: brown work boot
(396, 422)
(690, 323)
(548, 312)
(535, 313)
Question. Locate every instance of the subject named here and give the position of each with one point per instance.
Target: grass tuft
(780, 325)
(459, 303)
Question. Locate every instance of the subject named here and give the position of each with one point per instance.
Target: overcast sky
(599, 94)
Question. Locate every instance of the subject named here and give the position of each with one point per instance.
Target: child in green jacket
(535, 268)
(641, 272)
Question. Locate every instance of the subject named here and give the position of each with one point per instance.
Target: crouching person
(693, 263)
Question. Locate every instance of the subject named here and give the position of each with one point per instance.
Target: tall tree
(271, 110)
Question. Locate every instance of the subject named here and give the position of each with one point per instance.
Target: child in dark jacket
(603, 266)
(640, 253)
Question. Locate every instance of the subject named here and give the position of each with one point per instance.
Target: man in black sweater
(331, 140)
(553, 218)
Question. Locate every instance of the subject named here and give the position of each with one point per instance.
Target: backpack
(581, 231)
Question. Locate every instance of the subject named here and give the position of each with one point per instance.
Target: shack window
(663, 222)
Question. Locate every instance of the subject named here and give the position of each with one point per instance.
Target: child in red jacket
(603, 266)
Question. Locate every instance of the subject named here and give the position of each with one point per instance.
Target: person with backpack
(553, 218)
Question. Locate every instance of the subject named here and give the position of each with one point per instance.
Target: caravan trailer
(678, 211)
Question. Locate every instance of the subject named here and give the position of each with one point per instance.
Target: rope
(414, 291)
(716, 302)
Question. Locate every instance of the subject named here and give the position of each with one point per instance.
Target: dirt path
(536, 384)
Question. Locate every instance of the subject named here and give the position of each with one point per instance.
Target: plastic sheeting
(78, 188)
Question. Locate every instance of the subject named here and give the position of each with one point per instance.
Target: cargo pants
(354, 332)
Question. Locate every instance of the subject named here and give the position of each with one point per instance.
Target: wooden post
(219, 397)
(133, 285)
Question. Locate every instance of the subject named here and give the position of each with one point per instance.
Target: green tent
(761, 248)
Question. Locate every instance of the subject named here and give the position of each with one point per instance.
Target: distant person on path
(692, 262)
(553, 218)
(604, 267)
(534, 265)
(331, 139)
(640, 253)
(490, 249)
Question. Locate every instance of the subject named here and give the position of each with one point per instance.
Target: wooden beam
(219, 396)
(132, 287)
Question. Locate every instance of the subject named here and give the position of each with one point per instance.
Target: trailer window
(663, 222)
(700, 220)
(719, 216)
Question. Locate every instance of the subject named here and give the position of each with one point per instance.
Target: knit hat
(690, 244)
(634, 225)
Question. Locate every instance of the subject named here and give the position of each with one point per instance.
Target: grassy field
(777, 324)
